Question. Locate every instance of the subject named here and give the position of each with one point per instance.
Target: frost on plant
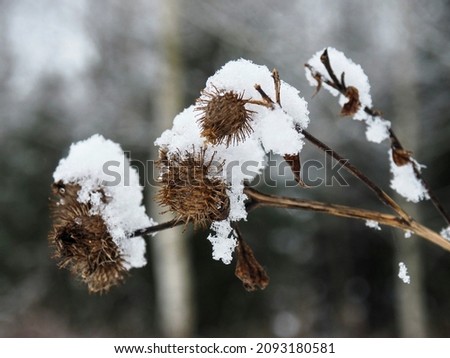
(403, 273)
(235, 122)
(339, 75)
(405, 182)
(353, 89)
(95, 216)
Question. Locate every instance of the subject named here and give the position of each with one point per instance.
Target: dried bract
(190, 189)
(248, 269)
(401, 156)
(81, 242)
(353, 104)
(224, 117)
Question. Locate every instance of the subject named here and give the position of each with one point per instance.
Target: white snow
(373, 224)
(354, 75)
(223, 241)
(100, 164)
(403, 273)
(445, 233)
(377, 129)
(274, 130)
(408, 234)
(405, 182)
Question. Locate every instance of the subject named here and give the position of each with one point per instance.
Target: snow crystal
(97, 163)
(445, 233)
(373, 224)
(274, 130)
(403, 273)
(223, 242)
(405, 182)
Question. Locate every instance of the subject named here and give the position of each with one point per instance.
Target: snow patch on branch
(377, 128)
(405, 182)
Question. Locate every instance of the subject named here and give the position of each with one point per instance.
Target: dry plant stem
(160, 227)
(277, 81)
(340, 86)
(385, 198)
(261, 199)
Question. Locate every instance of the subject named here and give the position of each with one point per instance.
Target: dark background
(69, 69)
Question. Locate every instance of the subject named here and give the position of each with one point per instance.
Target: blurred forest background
(69, 69)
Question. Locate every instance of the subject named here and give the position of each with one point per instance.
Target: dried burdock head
(190, 190)
(248, 269)
(81, 242)
(224, 117)
(353, 104)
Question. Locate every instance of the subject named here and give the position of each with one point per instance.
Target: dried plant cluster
(190, 190)
(193, 186)
(81, 242)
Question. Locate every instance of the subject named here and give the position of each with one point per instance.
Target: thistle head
(224, 118)
(81, 241)
(190, 189)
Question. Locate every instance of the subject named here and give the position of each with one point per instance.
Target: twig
(155, 228)
(261, 199)
(340, 86)
(385, 198)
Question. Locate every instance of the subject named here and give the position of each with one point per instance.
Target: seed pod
(224, 117)
(190, 190)
(81, 241)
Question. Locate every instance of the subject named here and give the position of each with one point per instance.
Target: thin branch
(336, 84)
(261, 199)
(277, 83)
(159, 227)
(385, 198)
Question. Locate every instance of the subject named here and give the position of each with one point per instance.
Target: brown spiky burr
(81, 242)
(189, 189)
(224, 118)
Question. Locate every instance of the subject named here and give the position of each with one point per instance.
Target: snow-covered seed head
(189, 189)
(224, 117)
(81, 242)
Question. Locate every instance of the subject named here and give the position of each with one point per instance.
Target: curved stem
(395, 142)
(385, 198)
(261, 199)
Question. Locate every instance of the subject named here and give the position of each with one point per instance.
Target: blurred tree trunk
(171, 260)
(410, 302)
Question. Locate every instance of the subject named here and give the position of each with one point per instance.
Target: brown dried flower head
(81, 242)
(189, 189)
(224, 117)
